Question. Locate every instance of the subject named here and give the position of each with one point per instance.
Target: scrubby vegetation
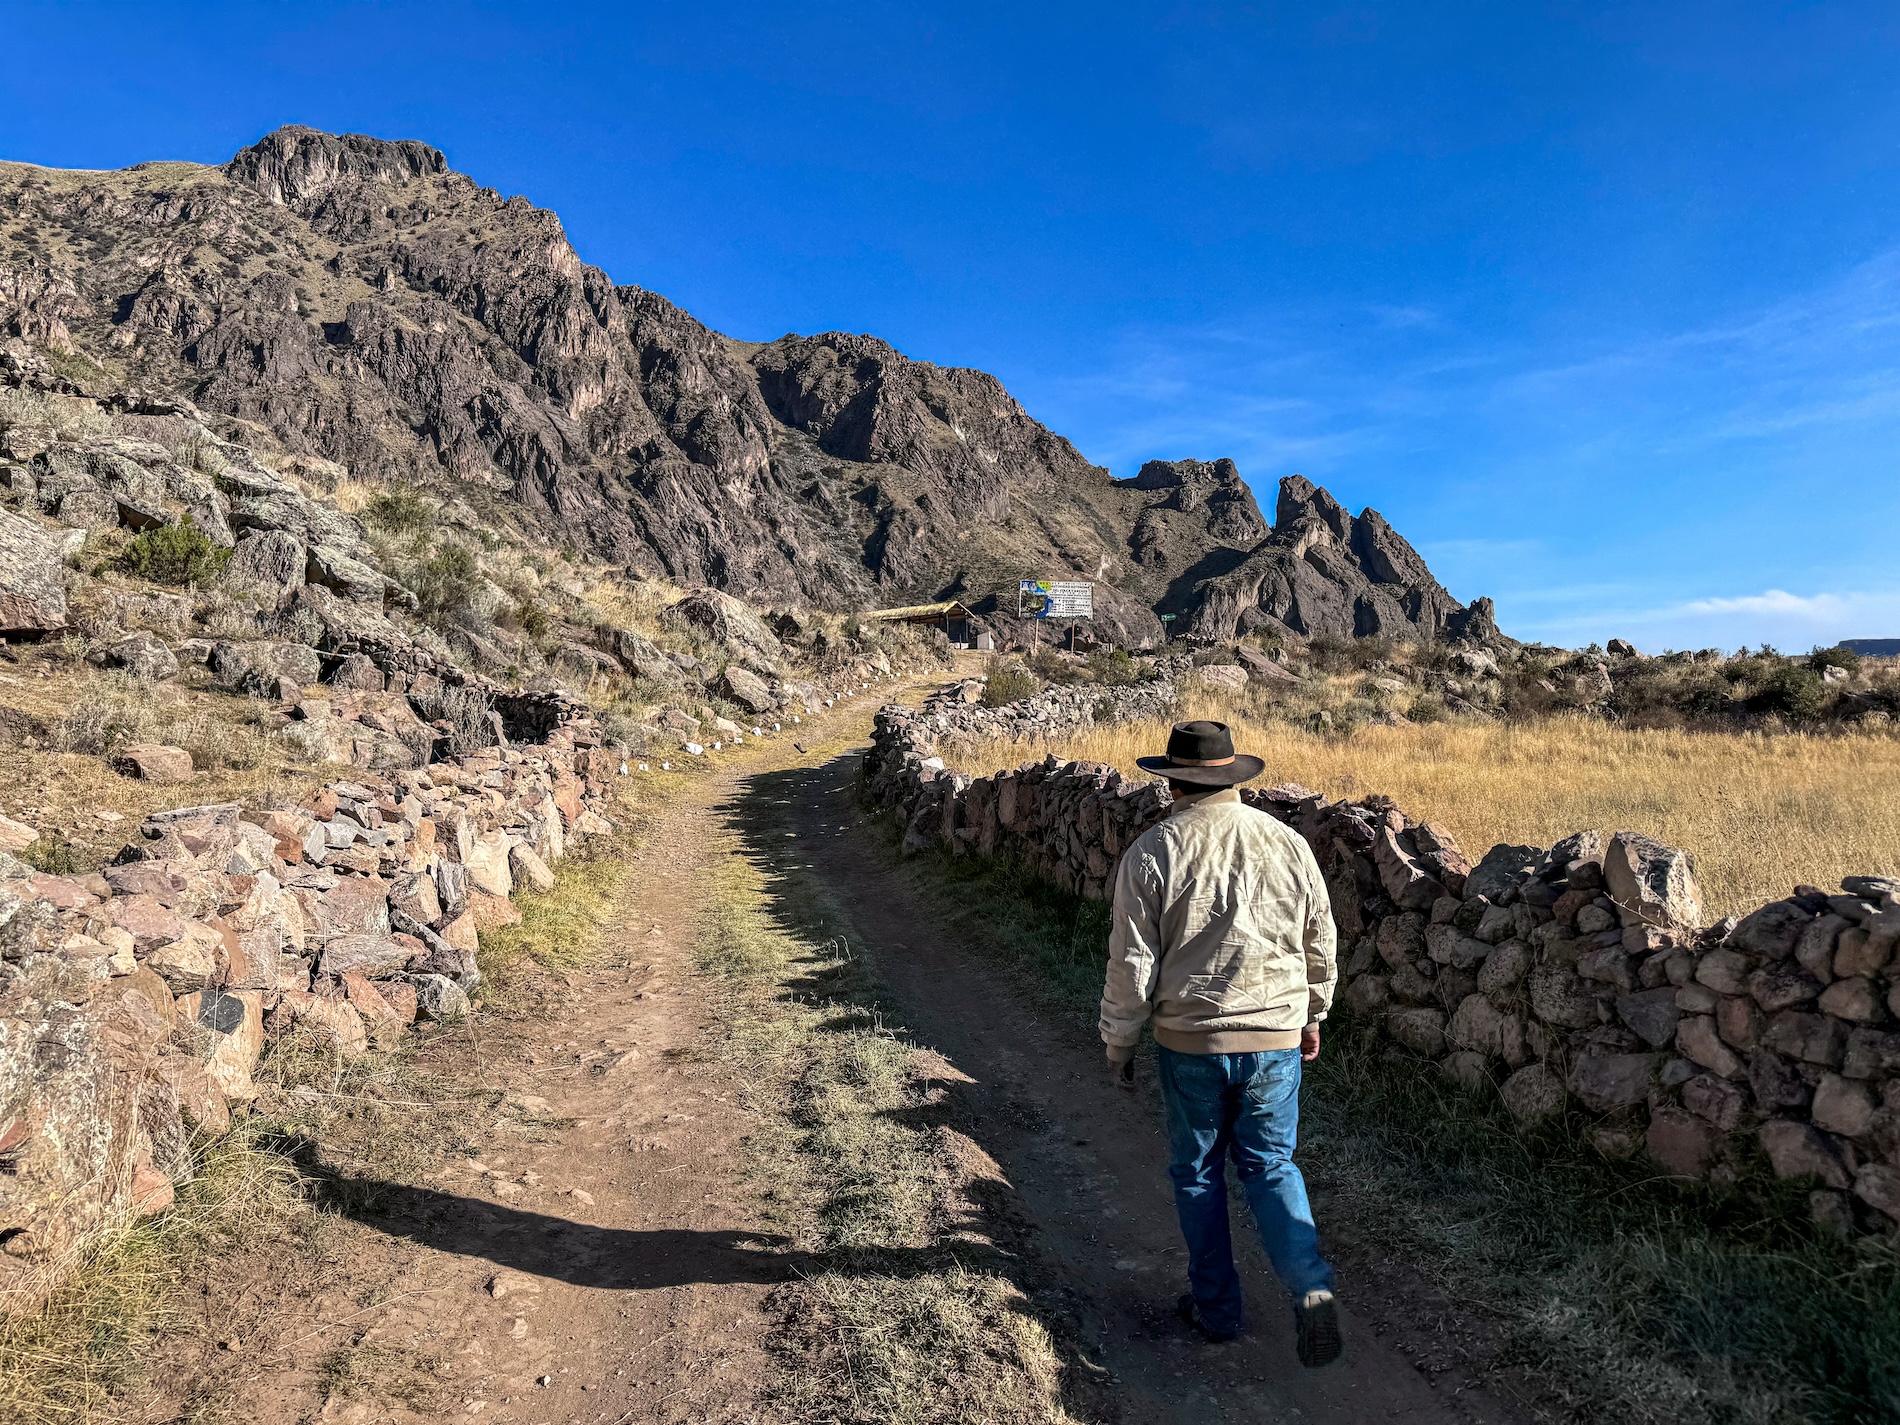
(174, 554)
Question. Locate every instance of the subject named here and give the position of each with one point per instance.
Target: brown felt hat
(1202, 754)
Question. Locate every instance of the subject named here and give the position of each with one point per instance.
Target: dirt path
(599, 1260)
(1088, 1163)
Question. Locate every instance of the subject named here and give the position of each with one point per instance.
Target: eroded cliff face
(358, 300)
(1321, 572)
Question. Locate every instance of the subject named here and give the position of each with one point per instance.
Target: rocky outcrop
(1323, 572)
(1571, 980)
(367, 305)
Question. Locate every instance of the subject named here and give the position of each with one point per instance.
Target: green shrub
(533, 618)
(1792, 690)
(1837, 657)
(174, 554)
(1007, 683)
(445, 582)
(1113, 667)
(53, 854)
(399, 511)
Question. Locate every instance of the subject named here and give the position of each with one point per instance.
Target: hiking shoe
(1189, 1311)
(1317, 1319)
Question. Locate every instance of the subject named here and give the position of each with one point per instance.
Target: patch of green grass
(1614, 1293)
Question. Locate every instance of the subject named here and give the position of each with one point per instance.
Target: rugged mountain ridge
(357, 299)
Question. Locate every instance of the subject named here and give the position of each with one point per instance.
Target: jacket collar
(1226, 796)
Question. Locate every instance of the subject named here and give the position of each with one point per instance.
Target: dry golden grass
(1760, 813)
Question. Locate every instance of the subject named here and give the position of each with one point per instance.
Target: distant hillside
(356, 299)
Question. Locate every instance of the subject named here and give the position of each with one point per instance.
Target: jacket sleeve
(1134, 953)
(1320, 941)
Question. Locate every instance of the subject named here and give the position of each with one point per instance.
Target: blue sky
(1598, 303)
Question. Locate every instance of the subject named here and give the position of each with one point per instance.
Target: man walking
(1223, 935)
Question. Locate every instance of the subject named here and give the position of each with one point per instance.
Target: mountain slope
(356, 299)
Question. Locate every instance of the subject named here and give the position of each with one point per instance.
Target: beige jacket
(1223, 934)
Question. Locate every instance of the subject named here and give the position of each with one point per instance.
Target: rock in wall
(1576, 977)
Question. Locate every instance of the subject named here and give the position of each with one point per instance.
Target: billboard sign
(1051, 598)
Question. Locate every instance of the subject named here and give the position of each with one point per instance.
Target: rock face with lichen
(367, 305)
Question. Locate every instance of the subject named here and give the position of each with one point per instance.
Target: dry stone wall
(1578, 977)
(134, 1003)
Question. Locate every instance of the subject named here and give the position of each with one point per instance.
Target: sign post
(1054, 598)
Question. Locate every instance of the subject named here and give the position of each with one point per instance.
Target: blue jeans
(1247, 1105)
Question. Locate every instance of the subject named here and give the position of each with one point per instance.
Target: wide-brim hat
(1202, 754)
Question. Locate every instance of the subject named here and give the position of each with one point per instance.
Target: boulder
(1228, 676)
(1559, 997)
(153, 762)
(1843, 1106)
(1502, 868)
(1878, 1185)
(1533, 1094)
(359, 672)
(487, 864)
(1696, 1037)
(232, 1027)
(1652, 883)
(1404, 879)
(1606, 1082)
(1504, 967)
(1421, 1030)
(355, 905)
(1478, 1025)
(143, 656)
(336, 1020)
(1653, 1014)
(32, 579)
(439, 998)
(270, 563)
(727, 620)
(1682, 1144)
(1717, 1100)
(528, 869)
(372, 956)
(16, 836)
(1799, 1150)
(415, 896)
(1772, 932)
(747, 690)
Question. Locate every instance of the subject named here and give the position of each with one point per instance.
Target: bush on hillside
(174, 554)
(444, 584)
(399, 511)
(1837, 657)
(1113, 667)
(1008, 682)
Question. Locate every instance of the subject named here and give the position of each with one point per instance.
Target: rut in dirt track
(1087, 1160)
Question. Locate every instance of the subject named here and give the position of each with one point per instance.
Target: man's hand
(1123, 1072)
(1309, 1042)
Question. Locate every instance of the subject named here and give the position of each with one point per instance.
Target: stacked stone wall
(134, 1003)
(1573, 978)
